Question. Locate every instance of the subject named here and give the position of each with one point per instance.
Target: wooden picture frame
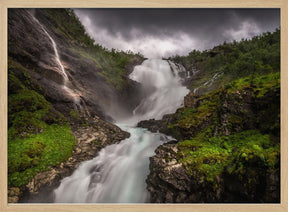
(5, 4)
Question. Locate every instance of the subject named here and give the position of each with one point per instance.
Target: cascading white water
(209, 82)
(167, 92)
(118, 173)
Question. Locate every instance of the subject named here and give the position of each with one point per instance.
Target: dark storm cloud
(175, 31)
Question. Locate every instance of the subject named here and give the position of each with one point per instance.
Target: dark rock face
(233, 113)
(170, 181)
(31, 47)
(190, 100)
(152, 124)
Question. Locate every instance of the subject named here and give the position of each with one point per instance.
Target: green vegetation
(111, 64)
(234, 129)
(210, 105)
(211, 155)
(98, 143)
(257, 56)
(36, 153)
(38, 135)
(74, 114)
(260, 84)
(67, 23)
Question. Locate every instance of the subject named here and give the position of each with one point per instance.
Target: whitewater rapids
(118, 173)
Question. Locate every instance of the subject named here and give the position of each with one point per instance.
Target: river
(118, 173)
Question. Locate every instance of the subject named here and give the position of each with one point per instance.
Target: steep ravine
(118, 173)
(65, 93)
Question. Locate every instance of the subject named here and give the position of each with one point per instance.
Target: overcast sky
(159, 33)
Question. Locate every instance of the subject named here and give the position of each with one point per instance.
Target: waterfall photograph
(143, 105)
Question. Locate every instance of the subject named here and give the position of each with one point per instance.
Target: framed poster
(85, 80)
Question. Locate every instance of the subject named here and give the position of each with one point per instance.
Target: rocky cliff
(61, 89)
(97, 76)
(227, 148)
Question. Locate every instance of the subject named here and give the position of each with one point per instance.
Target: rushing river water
(118, 173)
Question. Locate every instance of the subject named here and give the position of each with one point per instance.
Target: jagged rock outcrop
(190, 100)
(90, 140)
(167, 176)
(169, 182)
(217, 157)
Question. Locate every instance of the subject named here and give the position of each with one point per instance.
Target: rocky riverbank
(91, 137)
(227, 148)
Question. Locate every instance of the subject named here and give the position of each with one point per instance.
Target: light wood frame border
(4, 4)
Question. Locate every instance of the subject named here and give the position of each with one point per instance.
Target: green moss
(14, 83)
(28, 100)
(260, 86)
(195, 117)
(74, 114)
(209, 110)
(38, 135)
(27, 157)
(208, 153)
(28, 111)
(209, 156)
(85, 54)
(234, 119)
(22, 80)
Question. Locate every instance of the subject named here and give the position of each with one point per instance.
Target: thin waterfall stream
(70, 92)
(118, 173)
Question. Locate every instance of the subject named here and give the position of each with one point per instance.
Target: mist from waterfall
(163, 86)
(118, 173)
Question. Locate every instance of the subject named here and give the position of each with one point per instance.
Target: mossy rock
(38, 135)
(36, 153)
(208, 156)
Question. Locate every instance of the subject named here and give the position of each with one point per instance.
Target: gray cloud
(165, 32)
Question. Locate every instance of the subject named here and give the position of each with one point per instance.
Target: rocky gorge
(66, 95)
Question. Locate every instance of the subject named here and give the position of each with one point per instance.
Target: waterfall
(209, 82)
(118, 173)
(73, 94)
(167, 92)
